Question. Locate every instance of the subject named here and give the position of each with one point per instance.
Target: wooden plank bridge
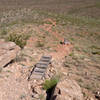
(39, 70)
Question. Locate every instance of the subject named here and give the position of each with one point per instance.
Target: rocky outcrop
(38, 93)
(67, 90)
(97, 95)
(8, 51)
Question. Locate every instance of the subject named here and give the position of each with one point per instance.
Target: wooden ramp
(40, 68)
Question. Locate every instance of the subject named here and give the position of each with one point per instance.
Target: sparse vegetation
(3, 32)
(96, 52)
(48, 84)
(39, 44)
(19, 39)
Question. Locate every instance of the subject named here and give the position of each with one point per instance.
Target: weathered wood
(46, 57)
(36, 76)
(42, 63)
(39, 70)
(41, 67)
(44, 60)
(38, 73)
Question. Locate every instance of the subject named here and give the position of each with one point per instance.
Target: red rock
(8, 52)
(67, 90)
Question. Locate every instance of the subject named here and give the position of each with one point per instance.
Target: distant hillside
(77, 7)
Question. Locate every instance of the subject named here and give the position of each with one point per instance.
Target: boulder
(8, 52)
(67, 90)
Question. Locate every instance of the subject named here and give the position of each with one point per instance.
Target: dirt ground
(14, 78)
(80, 60)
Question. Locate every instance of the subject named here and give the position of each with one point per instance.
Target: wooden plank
(46, 57)
(45, 64)
(38, 73)
(36, 76)
(44, 60)
(42, 66)
(39, 69)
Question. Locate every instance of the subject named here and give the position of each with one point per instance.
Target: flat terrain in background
(78, 7)
(76, 20)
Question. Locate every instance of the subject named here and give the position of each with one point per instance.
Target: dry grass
(77, 7)
(84, 65)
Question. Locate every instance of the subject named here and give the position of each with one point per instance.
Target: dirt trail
(48, 27)
(61, 49)
(13, 83)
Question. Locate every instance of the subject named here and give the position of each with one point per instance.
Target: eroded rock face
(8, 51)
(67, 90)
(38, 93)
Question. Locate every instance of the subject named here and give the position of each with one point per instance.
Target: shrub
(3, 32)
(39, 44)
(49, 84)
(19, 39)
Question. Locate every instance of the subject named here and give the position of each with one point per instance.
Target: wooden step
(39, 70)
(36, 76)
(43, 63)
(44, 60)
(46, 57)
(38, 73)
(41, 66)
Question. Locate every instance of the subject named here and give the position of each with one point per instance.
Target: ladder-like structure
(40, 68)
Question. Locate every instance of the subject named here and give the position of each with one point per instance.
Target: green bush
(19, 39)
(3, 32)
(48, 84)
(39, 44)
